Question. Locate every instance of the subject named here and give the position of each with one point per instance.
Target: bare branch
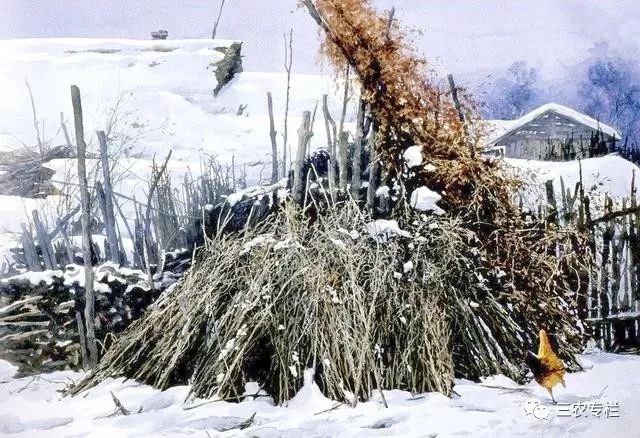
(35, 122)
(215, 26)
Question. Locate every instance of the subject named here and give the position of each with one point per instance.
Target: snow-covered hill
(157, 93)
(150, 97)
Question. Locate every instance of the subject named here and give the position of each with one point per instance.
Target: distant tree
(514, 94)
(610, 92)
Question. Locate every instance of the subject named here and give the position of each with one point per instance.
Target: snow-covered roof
(501, 128)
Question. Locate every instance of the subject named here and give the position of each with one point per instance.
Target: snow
(496, 406)
(611, 175)
(429, 168)
(258, 241)
(155, 96)
(256, 191)
(35, 278)
(503, 127)
(382, 230)
(162, 94)
(383, 191)
(424, 199)
(16, 209)
(413, 156)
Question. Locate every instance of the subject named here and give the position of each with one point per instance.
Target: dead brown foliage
(540, 263)
(408, 108)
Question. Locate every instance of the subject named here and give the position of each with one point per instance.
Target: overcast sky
(463, 37)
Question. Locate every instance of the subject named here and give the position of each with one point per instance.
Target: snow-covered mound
(150, 97)
(157, 94)
(600, 401)
(611, 175)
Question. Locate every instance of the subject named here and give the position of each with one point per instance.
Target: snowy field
(497, 407)
(150, 97)
(158, 94)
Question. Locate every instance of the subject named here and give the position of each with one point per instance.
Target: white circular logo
(533, 407)
(541, 412)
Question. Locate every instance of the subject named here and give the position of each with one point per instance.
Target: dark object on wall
(230, 65)
(159, 34)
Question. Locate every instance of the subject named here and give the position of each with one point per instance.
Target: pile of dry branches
(461, 294)
(290, 295)
(296, 293)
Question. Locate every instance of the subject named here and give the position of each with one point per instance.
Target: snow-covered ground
(611, 175)
(497, 407)
(150, 97)
(160, 94)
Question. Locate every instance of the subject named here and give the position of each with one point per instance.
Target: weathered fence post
(67, 242)
(330, 126)
(102, 203)
(30, 253)
(343, 144)
(552, 206)
(148, 236)
(108, 213)
(374, 172)
(48, 255)
(304, 134)
(274, 144)
(454, 96)
(89, 305)
(357, 151)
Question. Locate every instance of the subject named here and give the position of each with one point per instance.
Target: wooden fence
(172, 218)
(609, 295)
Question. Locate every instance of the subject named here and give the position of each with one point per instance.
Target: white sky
(468, 38)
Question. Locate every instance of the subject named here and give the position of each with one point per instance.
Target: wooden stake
(357, 151)
(274, 143)
(89, 307)
(304, 133)
(109, 216)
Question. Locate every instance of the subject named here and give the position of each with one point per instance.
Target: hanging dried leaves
(408, 108)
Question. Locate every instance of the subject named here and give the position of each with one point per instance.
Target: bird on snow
(547, 368)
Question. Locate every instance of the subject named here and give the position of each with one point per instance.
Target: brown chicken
(547, 368)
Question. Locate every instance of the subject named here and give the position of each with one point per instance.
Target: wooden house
(552, 132)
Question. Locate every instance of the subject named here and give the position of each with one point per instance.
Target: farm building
(552, 132)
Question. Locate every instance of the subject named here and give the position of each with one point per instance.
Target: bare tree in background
(288, 61)
(215, 25)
